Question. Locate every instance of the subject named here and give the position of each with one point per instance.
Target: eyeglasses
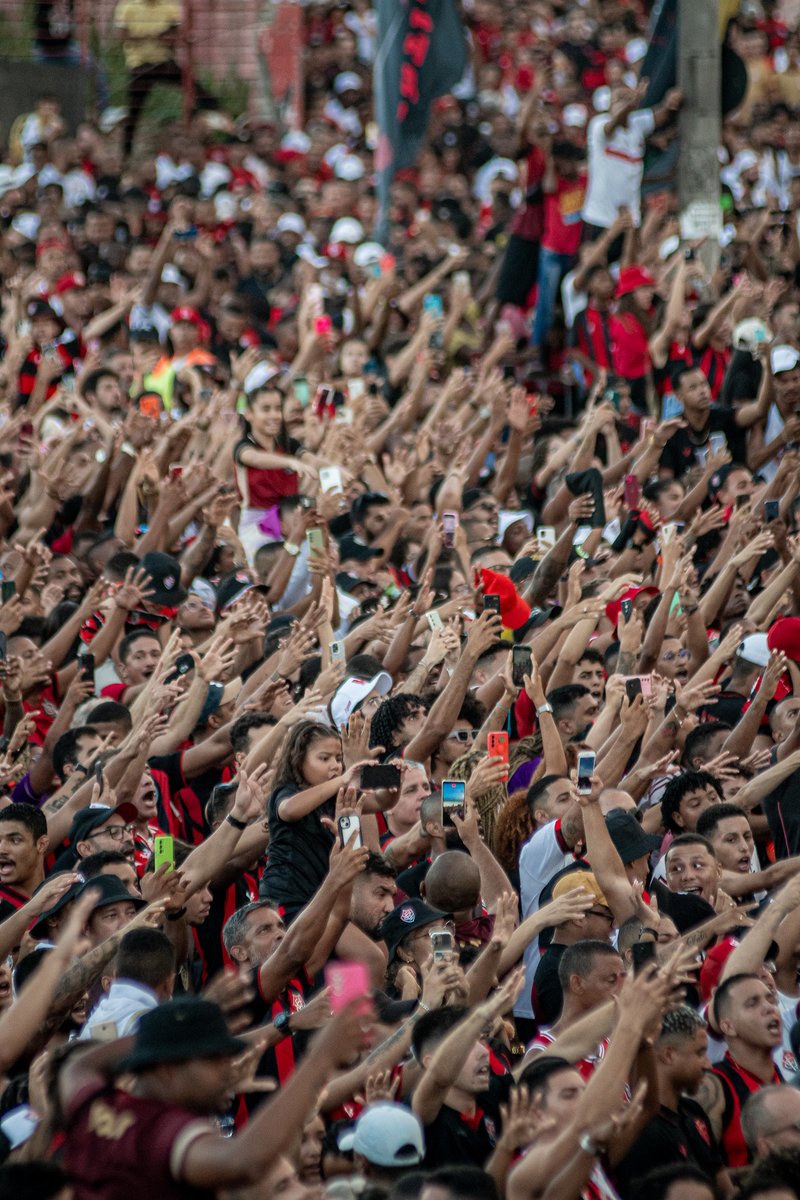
(671, 655)
(463, 735)
(115, 832)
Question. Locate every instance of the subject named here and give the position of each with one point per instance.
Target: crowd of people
(400, 641)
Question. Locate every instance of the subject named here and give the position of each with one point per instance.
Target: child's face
(323, 761)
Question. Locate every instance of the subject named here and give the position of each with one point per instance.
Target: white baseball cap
(388, 1135)
(784, 358)
(348, 230)
(754, 649)
(353, 691)
(291, 223)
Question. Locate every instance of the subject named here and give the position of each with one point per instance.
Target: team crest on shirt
(702, 1129)
(407, 915)
(169, 582)
(491, 1129)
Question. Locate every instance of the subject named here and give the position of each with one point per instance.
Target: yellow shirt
(141, 18)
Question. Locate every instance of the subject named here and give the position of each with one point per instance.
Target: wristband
(176, 916)
(544, 708)
(235, 822)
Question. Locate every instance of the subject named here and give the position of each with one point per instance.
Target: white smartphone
(434, 620)
(668, 533)
(586, 760)
(350, 830)
(717, 442)
(546, 534)
(338, 654)
(330, 480)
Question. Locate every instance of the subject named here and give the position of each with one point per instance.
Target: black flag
(422, 54)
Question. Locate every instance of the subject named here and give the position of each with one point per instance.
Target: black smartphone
(741, 501)
(521, 660)
(380, 775)
(642, 954)
(3, 647)
(184, 663)
(8, 589)
(98, 774)
(772, 510)
(633, 688)
(86, 667)
(492, 601)
(627, 609)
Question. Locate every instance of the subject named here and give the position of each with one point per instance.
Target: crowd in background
(400, 641)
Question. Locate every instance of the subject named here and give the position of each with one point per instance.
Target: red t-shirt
(118, 1146)
(262, 487)
(629, 346)
(562, 215)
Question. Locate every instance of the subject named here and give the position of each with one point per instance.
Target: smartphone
(98, 774)
(546, 535)
(521, 661)
(633, 491)
(668, 533)
(184, 663)
(432, 303)
(772, 510)
(344, 415)
(346, 981)
(323, 325)
(86, 667)
(175, 470)
(491, 601)
(349, 830)
(586, 760)
(442, 945)
(3, 646)
(633, 688)
(330, 481)
(461, 280)
(380, 775)
(8, 590)
(454, 795)
(355, 389)
(300, 390)
(150, 406)
(742, 501)
(337, 652)
(626, 607)
(315, 539)
(434, 620)
(449, 527)
(497, 743)
(642, 954)
(324, 405)
(164, 851)
(717, 442)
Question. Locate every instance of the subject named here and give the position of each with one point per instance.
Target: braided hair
(389, 717)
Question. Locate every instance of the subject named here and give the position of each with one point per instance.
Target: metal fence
(247, 52)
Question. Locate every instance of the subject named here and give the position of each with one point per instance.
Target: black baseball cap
(165, 579)
(630, 840)
(408, 917)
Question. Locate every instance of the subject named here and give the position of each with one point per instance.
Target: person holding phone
(270, 464)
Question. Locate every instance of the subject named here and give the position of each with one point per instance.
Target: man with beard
(373, 895)
(680, 1129)
(63, 572)
(746, 1012)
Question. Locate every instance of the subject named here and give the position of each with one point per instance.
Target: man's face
(673, 661)
(410, 725)
(692, 805)
(86, 750)
(694, 392)
(413, 791)
(753, 1015)
(605, 978)
(205, 1084)
(126, 873)
(113, 834)
(563, 1095)
(784, 718)
(592, 676)
(782, 1120)
(282, 1182)
(732, 840)
(375, 520)
(554, 803)
(198, 906)
(688, 1061)
(474, 1075)
(787, 391)
(264, 932)
(586, 709)
(738, 483)
(693, 869)
(65, 574)
(110, 919)
(713, 747)
(497, 560)
(142, 660)
(194, 615)
(20, 855)
(486, 509)
(373, 899)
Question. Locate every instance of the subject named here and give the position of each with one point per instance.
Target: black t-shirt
(454, 1139)
(298, 853)
(782, 810)
(671, 1137)
(742, 378)
(548, 997)
(679, 454)
(726, 707)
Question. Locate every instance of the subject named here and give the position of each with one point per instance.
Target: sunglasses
(463, 735)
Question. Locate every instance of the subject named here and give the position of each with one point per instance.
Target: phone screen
(586, 760)
(521, 660)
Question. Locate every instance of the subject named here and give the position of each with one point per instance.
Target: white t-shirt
(616, 166)
(543, 856)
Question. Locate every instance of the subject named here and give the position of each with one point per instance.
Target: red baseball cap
(614, 607)
(75, 281)
(514, 612)
(631, 278)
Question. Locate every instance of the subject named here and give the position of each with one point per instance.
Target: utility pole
(699, 124)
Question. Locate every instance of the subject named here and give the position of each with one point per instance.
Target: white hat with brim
(387, 1135)
(353, 691)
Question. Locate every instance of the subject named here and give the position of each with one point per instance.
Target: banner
(422, 54)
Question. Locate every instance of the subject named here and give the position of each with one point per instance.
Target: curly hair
(513, 826)
(489, 803)
(525, 750)
(289, 768)
(389, 716)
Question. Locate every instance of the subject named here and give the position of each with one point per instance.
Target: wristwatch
(589, 1146)
(281, 1022)
(291, 549)
(544, 708)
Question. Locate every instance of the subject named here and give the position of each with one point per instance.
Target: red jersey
(629, 346)
(562, 215)
(118, 1146)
